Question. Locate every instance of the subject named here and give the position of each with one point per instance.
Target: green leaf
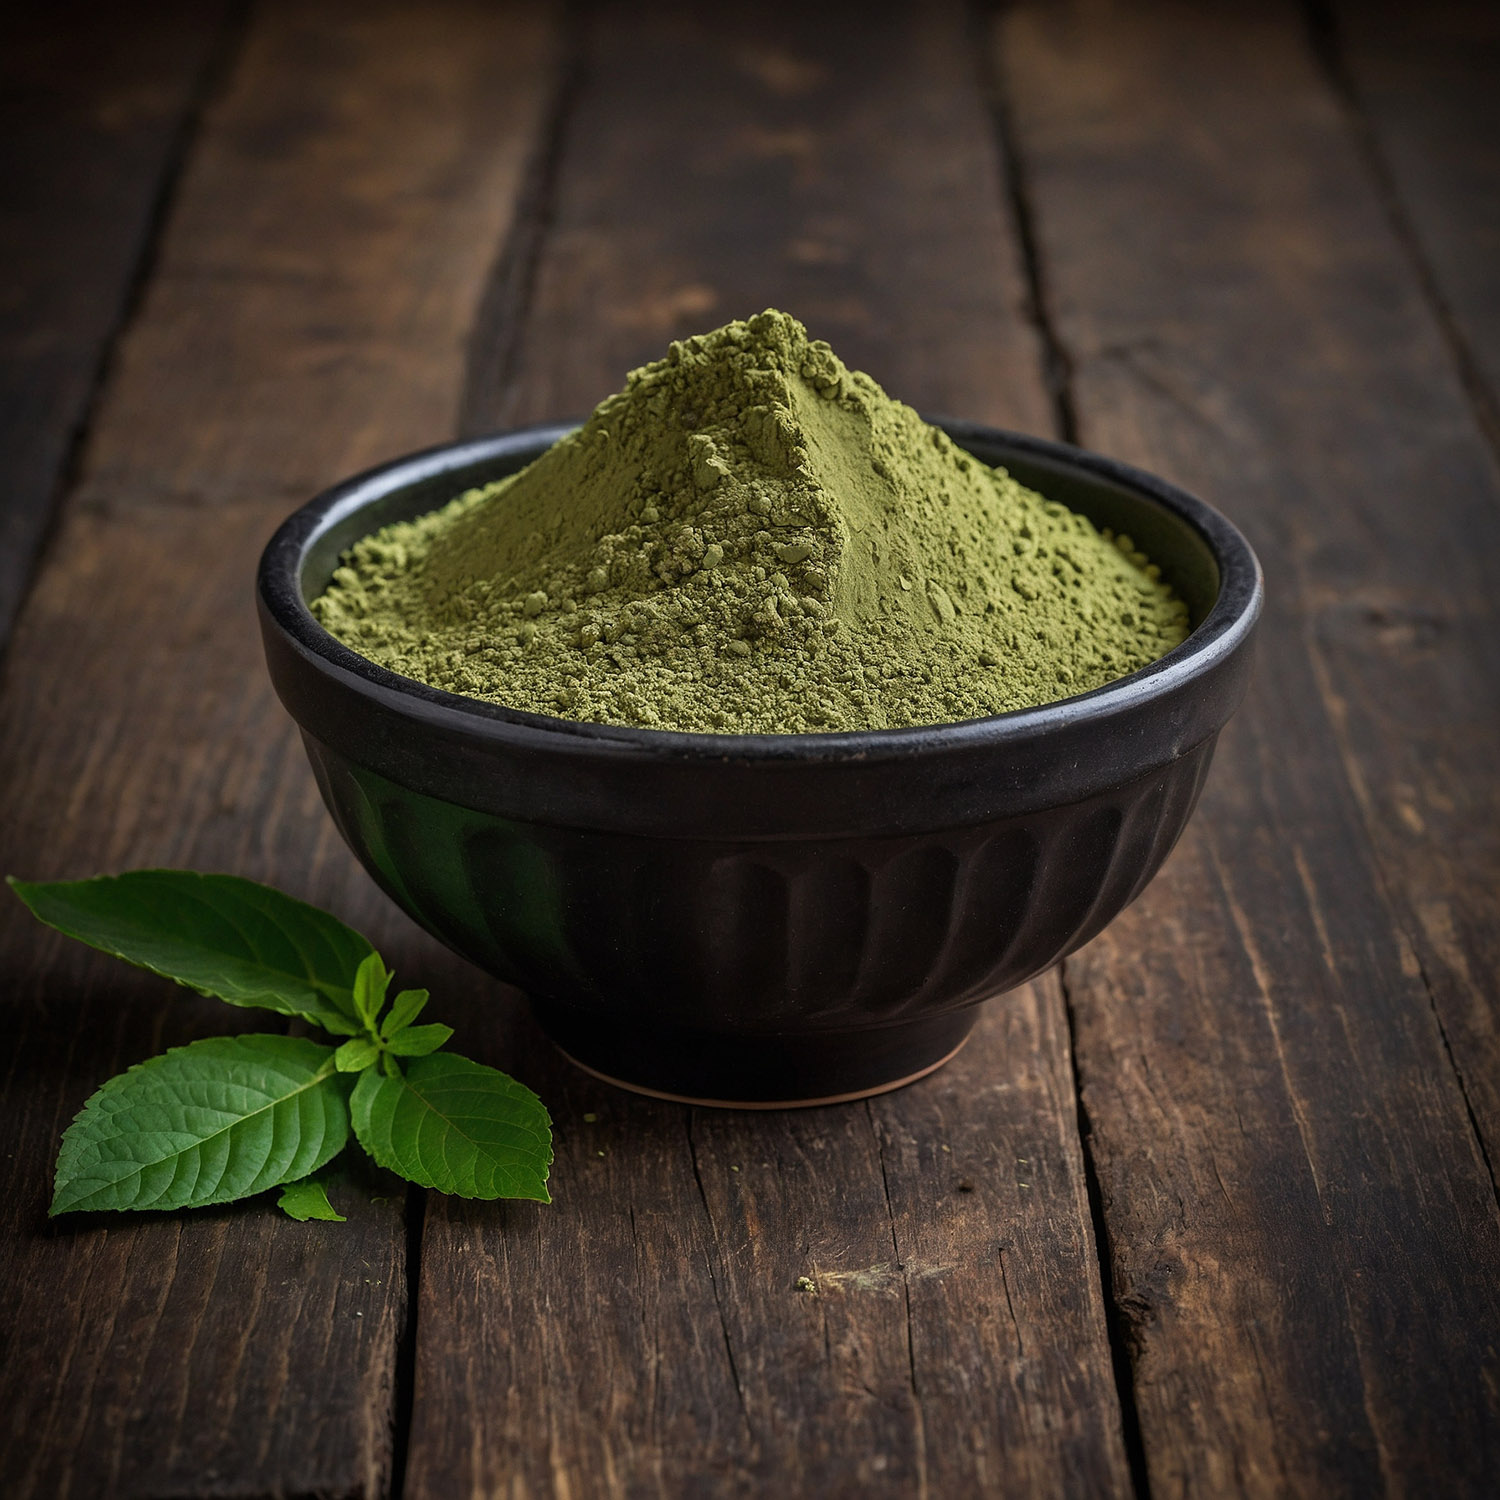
(306, 1200)
(357, 1053)
(418, 1041)
(217, 934)
(456, 1126)
(371, 980)
(206, 1123)
(405, 1009)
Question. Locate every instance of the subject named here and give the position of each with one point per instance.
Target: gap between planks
(1058, 374)
(209, 80)
(1326, 39)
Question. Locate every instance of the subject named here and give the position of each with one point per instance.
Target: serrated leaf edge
(332, 993)
(333, 1216)
(388, 1161)
(395, 1021)
(397, 1043)
(72, 1147)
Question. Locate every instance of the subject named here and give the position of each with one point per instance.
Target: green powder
(751, 538)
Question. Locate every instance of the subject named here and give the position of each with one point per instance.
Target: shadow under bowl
(762, 920)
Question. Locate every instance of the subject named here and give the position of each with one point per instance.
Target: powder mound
(752, 538)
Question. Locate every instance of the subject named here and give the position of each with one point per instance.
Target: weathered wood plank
(646, 1335)
(1426, 79)
(1005, 1348)
(815, 158)
(308, 316)
(94, 101)
(1304, 1237)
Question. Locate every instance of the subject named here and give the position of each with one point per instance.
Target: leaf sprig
(220, 1119)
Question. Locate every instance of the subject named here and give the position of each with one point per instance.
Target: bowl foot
(790, 1071)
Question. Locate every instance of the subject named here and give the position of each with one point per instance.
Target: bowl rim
(1222, 631)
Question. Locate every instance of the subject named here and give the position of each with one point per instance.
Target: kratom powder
(751, 538)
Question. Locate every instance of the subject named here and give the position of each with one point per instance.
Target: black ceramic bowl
(763, 919)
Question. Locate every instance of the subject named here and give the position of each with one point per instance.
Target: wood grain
(822, 159)
(95, 102)
(1425, 79)
(307, 316)
(646, 1335)
(1288, 1047)
(1427, 82)
(651, 1332)
(1303, 1231)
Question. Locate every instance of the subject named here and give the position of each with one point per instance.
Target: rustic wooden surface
(1211, 1209)
(1245, 1079)
(307, 315)
(1422, 83)
(97, 113)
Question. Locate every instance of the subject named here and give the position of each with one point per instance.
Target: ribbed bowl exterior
(765, 937)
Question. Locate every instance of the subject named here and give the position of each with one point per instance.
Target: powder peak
(750, 537)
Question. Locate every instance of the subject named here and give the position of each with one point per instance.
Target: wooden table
(1209, 1209)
